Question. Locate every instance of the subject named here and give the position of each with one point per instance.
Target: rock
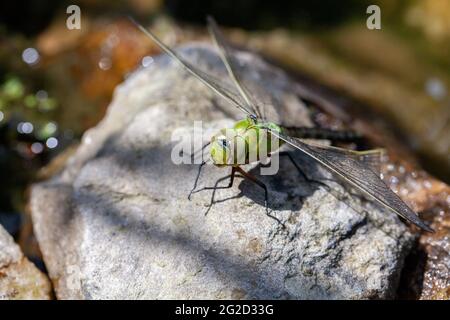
(19, 278)
(116, 223)
(427, 268)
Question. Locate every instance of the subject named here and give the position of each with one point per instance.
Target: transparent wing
(231, 64)
(209, 81)
(357, 174)
(370, 158)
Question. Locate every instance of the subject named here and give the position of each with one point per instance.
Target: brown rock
(19, 278)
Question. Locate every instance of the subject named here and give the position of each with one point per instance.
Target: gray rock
(19, 278)
(117, 222)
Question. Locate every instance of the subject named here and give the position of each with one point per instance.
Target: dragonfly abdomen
(322, 134)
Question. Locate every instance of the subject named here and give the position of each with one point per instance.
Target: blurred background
(56, 83)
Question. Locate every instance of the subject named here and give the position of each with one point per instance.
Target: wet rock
(19, 278)
(116, 223)
(427, 268)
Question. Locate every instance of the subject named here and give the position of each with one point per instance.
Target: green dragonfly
(353, 167)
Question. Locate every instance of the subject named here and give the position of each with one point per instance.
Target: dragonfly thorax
(244, 143)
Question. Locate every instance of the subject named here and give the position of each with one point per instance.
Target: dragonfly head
(220, 150)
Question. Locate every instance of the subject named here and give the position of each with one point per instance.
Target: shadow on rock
(242, 274)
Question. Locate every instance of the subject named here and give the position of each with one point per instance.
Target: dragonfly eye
(220, 150)
(224, 143)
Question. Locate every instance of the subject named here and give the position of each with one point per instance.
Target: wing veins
(359, 176)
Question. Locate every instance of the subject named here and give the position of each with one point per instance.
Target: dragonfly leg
(262, 185)
(300, 171)
(233, 173)
(196, 179)
(230, 184)
(194, 154)
(199, 168)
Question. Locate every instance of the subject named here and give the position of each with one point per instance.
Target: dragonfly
(352, 167)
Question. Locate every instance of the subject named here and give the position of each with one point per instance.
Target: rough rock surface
(116, 223)
(19, 278)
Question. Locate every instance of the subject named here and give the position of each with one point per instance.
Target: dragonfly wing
(209, 81)
(357, 174)
(230, 63)
(370, 158)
